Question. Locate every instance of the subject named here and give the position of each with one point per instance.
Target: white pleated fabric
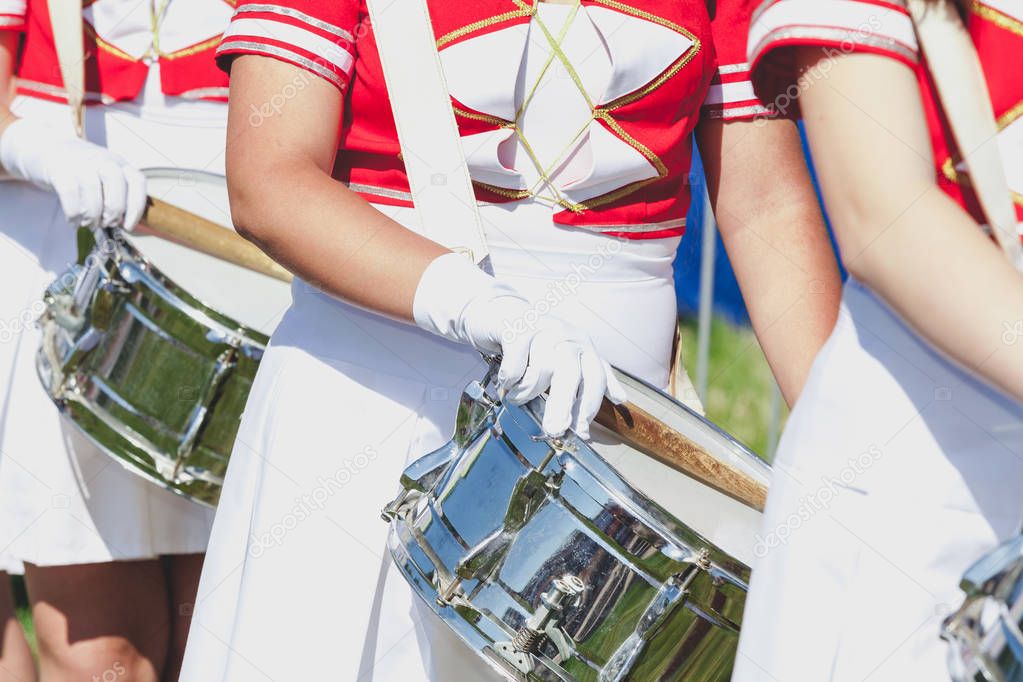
(896, 472)
(62, 501)
(343, 400)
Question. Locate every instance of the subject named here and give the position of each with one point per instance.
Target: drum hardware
(985, 640)
(672, 596)
(65, 303)
(545, 622)
(223, 365)
(547, 563)
(528, 496)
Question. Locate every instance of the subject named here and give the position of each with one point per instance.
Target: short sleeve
(315, 35)
(842, 26)
(12, 15)
(731, 95)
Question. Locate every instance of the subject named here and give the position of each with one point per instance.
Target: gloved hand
(458, 301)
(96, 187)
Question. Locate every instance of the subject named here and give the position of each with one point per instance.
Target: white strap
(66, 20)
(961, 86)
(430, 143)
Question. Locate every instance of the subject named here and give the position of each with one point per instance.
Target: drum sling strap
(956, 71)
(431, 146)
(68, 26)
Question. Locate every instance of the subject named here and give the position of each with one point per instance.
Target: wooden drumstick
(195, 232)
(644, 432)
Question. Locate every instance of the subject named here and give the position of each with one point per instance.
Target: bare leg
(16, 664)
(100, 621)
(183, 573)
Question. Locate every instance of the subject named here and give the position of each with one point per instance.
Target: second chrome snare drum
(552, 564)
(986, 634)
(150, 348)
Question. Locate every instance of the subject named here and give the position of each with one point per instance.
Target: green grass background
(739, 382)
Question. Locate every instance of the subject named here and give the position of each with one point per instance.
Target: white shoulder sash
(67, 23)
(430, 143)
(957, 74)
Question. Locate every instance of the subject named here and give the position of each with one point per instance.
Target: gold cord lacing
(598, 112)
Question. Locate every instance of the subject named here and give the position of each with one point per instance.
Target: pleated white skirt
(62, 501)
(896, 472)
(298, 583)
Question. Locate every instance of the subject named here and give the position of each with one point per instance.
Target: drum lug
(224, 364)
(673, 594)
(60, 309)
(531, 492)
(475, 410)
(448, 594)
(422, 474)
(400, 505)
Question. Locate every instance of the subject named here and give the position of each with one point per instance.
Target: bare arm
(898, 232)
(284, 199)
(773, 230)
(8, 53)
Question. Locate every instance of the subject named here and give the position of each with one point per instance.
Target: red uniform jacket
(120, 44)
(690, 64)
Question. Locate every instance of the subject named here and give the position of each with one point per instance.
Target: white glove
(96, 187)
(458, 301)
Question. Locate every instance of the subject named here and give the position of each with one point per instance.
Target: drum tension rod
(543, 624)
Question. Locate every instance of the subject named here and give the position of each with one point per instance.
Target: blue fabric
(727, 299)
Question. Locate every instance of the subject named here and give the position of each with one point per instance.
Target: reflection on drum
(150, 347)
(552, 564)
(985, 633)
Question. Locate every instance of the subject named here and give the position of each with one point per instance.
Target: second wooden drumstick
(206, 236)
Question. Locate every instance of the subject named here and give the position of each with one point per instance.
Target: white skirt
(63, 502)
(896, 472)
(298, 583)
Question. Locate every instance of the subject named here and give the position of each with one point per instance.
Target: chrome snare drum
(985, 636)
(551, 563)
(150, 348)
